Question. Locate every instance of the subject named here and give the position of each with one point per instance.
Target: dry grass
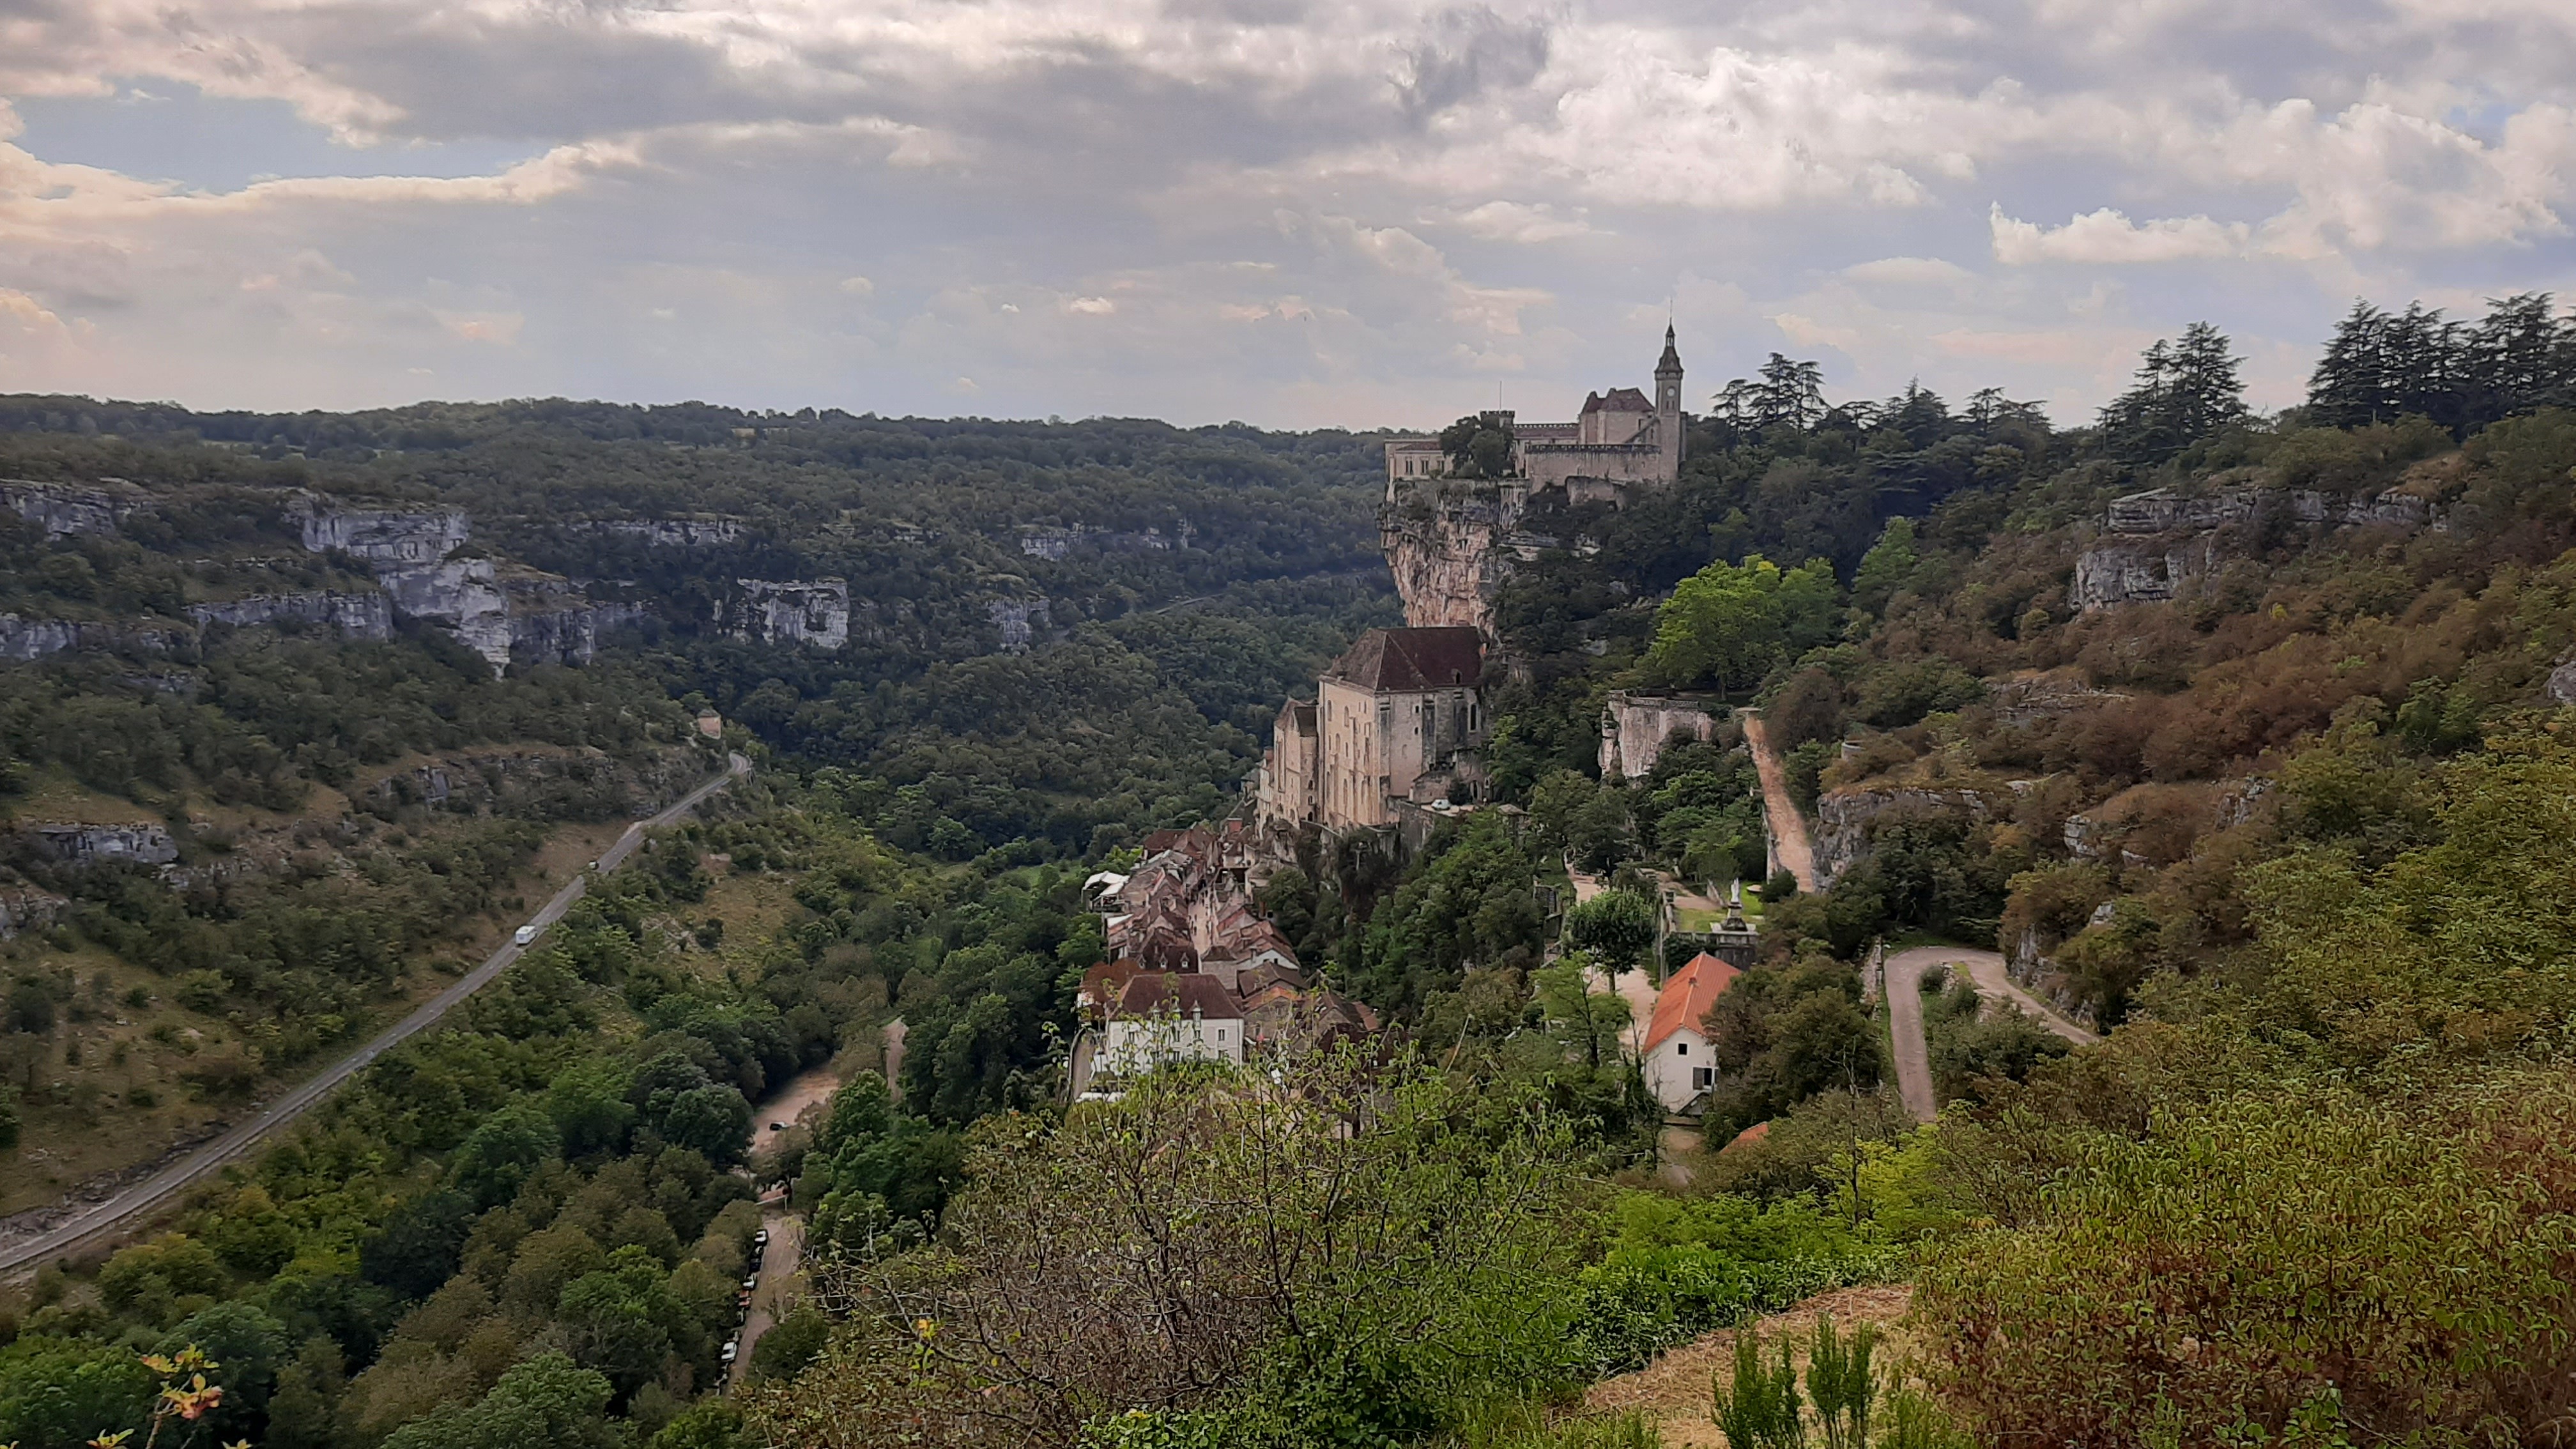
(1674, 1389)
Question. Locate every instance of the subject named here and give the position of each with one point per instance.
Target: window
(1703, 1078)
(1681, 1048)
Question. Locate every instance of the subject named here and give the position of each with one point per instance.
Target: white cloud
(2106, 237)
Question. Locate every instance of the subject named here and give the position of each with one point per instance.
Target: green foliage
(1727, 626)
(1841, 1383)
(791, 1344)
(547, 1401)
(1759, 1409)
(1617, 926)
(1468, 902)
(1782, 1035)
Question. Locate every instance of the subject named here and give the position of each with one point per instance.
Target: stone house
(1165, 1016)
(1620, 437)
(1401, 707)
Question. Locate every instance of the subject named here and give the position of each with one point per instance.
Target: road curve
(1789, 844)
(160, 1186)
(1904, 988)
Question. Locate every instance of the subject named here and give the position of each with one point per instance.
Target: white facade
(1139, 1044)
(1679, 1070)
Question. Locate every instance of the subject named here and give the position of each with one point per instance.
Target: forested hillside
(2241, 738)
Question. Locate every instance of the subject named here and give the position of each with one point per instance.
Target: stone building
(1621, 437)
(1399, 717)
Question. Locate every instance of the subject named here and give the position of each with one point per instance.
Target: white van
(523, 935)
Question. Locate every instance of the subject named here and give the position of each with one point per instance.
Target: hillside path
(1789, 844)
(1905, 1014)
(161, 1186)
(776, 1295)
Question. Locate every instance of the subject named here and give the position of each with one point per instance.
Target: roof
(1685, 1000)
(1298, 715)
(1671, 361)
(1617, 400)
(1387, 660)
(1186, 993)
(1747, 1137)
(1105, 982)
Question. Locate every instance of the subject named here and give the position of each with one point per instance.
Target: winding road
(1905, 1015)
(157, 1189)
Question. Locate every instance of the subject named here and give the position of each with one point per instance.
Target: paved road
(158, 1188)
(1905, 1014)
(776, 1294)
(1789, 844)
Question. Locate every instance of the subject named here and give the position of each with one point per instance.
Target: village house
(1679, 1068)
(1170, 1016)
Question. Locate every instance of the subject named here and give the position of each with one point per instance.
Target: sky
(1295, 213)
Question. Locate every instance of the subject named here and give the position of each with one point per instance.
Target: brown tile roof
(1685, 1000)
(1185, 992)
(1619, 400)
(1412, 659)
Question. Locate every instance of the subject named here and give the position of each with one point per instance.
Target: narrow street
(776, 1294)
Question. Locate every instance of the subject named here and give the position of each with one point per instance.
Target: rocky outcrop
(357, 616)
(25, 639)
(1049, 542)
(569, 634)
(381, 535)
(89, 845)
(578, 785)
(2562, 682)
(2157, 541)
(1635, 728)
(674, 532)
(1017, 621)
(25, 908)
(1844, 819)
(458, 595)
(1445, 552)
(814, 612)
(61, 510)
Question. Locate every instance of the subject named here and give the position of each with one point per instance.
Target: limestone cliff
(381, 535)
(1845, 817)
(2154, 543)
(357, 616)
(63, 511)
(797, 611)
(1017, 621)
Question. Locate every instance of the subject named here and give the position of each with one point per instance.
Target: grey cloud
(1468, 53)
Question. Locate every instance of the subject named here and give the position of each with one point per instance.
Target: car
(760, 1239)
(751, 1282)
(732, 1347)
(777, 1126)
(594, 865)
(523, 935)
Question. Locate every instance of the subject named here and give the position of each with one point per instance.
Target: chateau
(1449, 540)
(1619, 438)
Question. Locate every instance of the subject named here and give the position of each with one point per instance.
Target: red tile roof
(1685, 999)
(1413, 659)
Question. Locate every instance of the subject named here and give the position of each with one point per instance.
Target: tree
(500, 1154)
(2184, 392)
(1885, 568)
(548, 1402)
(1728, 625)
(1616, 926)
(420, 1244)
(1478, 445)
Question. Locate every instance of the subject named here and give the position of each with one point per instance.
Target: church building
(1396, 718)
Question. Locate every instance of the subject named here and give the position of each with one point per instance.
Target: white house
(1171, 1016)
(1679, 1068)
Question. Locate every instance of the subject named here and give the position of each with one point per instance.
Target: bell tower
(1668, 407)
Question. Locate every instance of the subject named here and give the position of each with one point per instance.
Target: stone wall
(1635, 727)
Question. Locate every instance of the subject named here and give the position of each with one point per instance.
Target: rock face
(358, 616)
(579, 785)
(1635, 727)
(1445, 556)
(88, 845)
(1018, 621)
(62, 511)
(25, 639)
(800, 611)
(459, 595)
(675, 532)
(24, 908)
(2156, 541)
(2562, 682)
(1844, 818)
(383, 536)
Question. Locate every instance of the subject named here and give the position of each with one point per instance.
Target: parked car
(523, 935)
(732, 1347)
(750, 1283)
(760, 1239)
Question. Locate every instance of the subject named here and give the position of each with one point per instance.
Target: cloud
(1286, 210)
(2106, 237)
